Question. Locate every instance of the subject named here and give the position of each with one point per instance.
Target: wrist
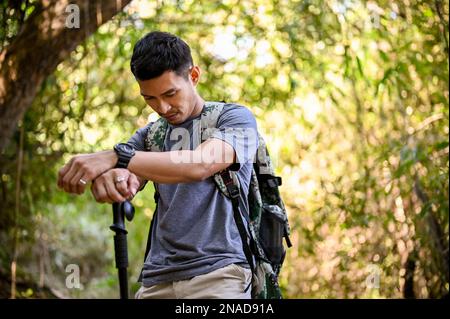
(111, 158)
(124, 152)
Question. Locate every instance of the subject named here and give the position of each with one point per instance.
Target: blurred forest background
(351, 95)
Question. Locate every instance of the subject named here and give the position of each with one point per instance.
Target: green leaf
(441, 145)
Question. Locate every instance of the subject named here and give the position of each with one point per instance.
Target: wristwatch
(124, 152)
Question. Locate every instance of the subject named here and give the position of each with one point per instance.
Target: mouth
(171, 117)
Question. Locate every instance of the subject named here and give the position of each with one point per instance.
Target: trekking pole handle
(121, 211)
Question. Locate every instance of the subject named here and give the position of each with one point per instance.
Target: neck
(198, 106)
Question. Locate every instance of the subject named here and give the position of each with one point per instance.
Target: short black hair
(158, 52)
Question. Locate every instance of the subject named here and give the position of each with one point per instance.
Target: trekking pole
(121, 210)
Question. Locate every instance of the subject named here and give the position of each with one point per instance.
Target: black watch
(124, 152)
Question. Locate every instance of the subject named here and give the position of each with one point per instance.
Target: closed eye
(147, 97)
(171, 93)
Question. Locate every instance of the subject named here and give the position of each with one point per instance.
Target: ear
(195, 74)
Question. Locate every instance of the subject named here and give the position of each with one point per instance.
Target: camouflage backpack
(267, 221)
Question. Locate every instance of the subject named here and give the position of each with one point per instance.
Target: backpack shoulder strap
(208, 123)
(154, 142)
(156, 135)
(209, 118)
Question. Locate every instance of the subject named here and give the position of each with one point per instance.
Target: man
(196, 250)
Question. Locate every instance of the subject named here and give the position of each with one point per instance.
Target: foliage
(352, 97)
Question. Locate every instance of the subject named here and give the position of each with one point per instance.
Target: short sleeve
(138, 139)
(236, 126)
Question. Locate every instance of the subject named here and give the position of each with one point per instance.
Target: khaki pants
(225, 283)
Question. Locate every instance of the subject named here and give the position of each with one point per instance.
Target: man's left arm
(234, 141)
(208, 158)
(170, 167)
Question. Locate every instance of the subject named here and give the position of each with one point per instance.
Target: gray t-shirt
(194, 229)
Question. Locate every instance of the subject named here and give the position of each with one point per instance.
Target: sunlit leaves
(351, 96)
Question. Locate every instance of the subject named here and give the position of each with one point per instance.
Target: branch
(438, 6)
(43, 42)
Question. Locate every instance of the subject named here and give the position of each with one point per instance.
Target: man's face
(170, 95)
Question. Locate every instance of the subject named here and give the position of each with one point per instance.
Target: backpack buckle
(233, 190)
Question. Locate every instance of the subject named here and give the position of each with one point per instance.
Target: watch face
(126, 148)
(124, 153)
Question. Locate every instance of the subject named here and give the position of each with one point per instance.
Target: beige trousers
(225, 283)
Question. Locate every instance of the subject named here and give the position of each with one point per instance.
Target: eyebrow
(164, 93)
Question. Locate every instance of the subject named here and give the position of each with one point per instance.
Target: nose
(161, 107)
(164, 107)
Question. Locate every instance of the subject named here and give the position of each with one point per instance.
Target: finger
(122, 186)
(82, 184)
(60, 176)
(78, 168)
(102, 194)
(113, 195)
(94, 191)
(133, 184)
(76, 184)
(62, 172)
(68, 177)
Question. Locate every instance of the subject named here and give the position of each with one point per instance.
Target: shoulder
(236, 113)
(233, 108)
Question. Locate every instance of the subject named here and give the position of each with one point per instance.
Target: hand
(115, 186)
(82, 169)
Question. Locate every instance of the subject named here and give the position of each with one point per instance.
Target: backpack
(267, 221)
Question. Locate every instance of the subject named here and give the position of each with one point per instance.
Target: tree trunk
(42, 43)
(410, 268)
(438, 244)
